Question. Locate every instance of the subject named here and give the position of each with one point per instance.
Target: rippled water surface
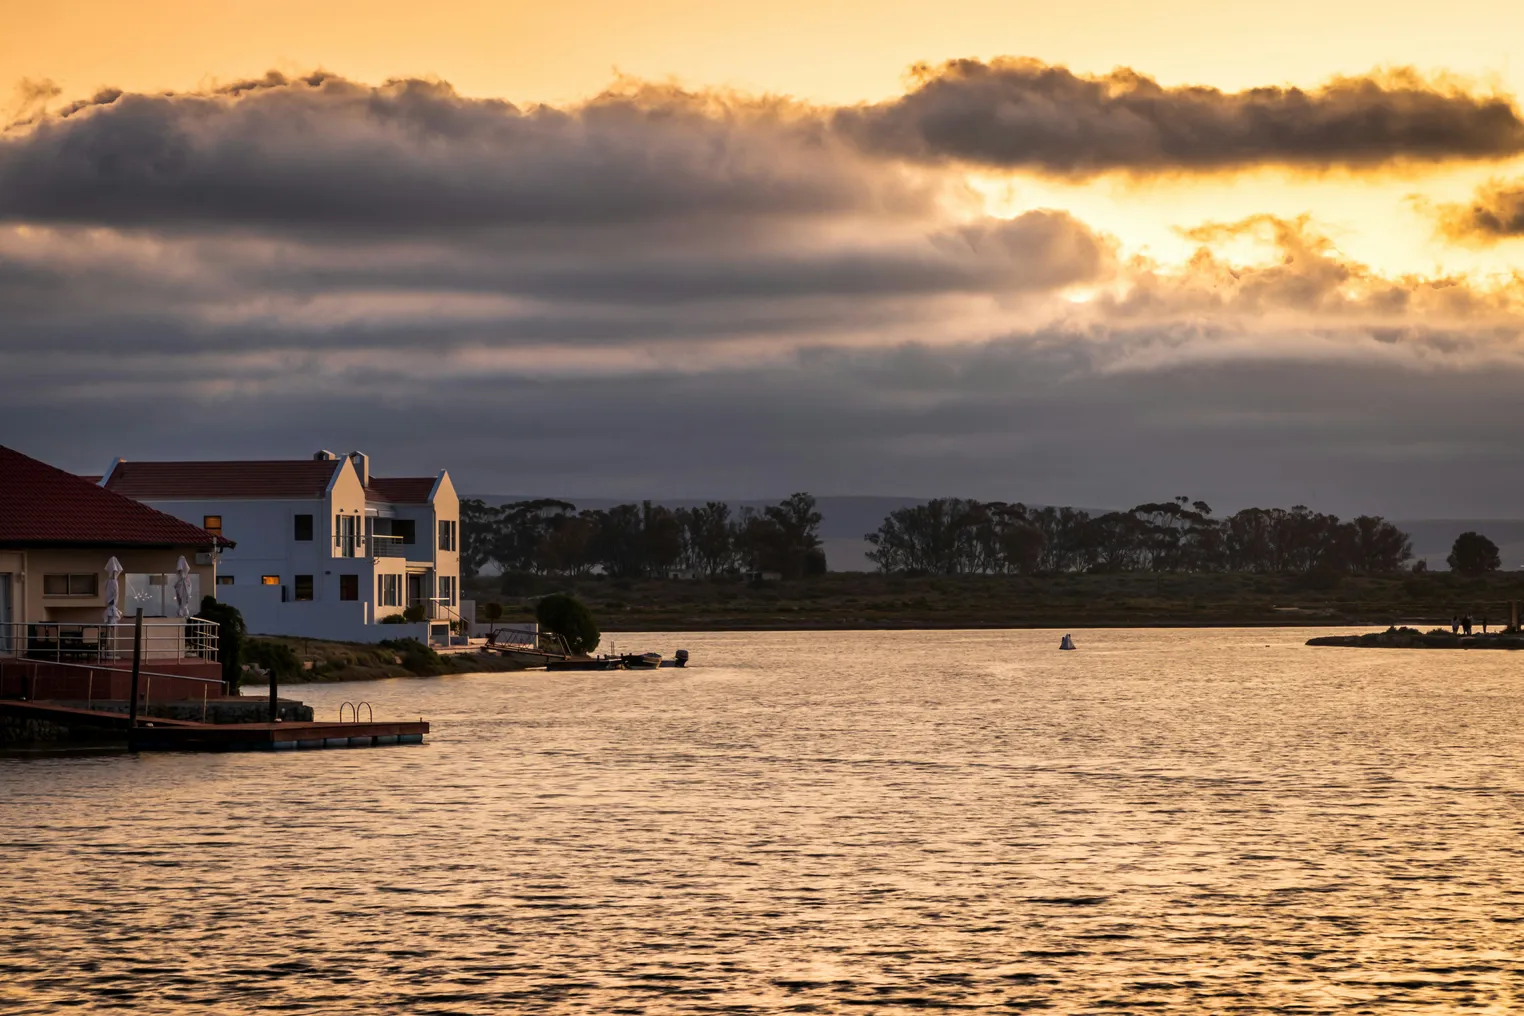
(1164, 821)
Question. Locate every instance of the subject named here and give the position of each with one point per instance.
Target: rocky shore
(1412, 638)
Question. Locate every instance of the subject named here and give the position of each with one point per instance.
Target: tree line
(645, 540)
(953, 536)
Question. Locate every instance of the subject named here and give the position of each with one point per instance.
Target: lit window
(269, 580)
(212, 524)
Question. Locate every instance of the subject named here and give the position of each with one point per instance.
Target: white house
(324, 549)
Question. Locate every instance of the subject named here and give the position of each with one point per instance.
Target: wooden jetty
(100, 728)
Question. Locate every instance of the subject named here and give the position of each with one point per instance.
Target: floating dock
(158, 734)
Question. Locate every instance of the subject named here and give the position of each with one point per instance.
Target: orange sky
(838, 53)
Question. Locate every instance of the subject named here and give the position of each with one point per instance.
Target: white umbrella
(113, 591)
(182, 589)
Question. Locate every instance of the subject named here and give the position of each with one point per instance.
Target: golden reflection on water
(1169, 821)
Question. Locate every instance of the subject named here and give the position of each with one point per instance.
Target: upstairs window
(446, 534)
(303, 529)
(70, 585)
(212, 524)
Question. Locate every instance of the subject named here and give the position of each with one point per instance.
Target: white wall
(265, 614)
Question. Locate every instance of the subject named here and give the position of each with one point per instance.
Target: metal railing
(190, 638)
(383, 545)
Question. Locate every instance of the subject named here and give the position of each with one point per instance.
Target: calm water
(1189, 822)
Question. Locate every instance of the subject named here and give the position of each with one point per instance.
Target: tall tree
(1474, 554)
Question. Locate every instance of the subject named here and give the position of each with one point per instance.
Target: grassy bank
(865, 600)
(299, 661)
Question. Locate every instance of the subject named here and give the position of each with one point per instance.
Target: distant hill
(845, 520)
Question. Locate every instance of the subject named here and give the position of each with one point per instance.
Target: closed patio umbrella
(182, 588)
(113, 591)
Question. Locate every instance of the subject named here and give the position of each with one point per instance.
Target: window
(391, 590)
(346, 531)
(224, 580)
(303, 529)
(407, 529)
(70, 585)
(446, 534)
(349, 587)
(303, 587)
(269, 580)
(447, 590)
(212, 524)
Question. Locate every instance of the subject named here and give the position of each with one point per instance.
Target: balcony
(387, 546)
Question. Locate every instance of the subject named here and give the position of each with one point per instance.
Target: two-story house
(324, 548)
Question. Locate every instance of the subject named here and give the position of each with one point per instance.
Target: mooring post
(137, 667)
(274, 705)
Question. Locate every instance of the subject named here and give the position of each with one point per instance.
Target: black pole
(274, 705)
(137, 666)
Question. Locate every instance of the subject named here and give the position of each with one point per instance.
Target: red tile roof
(293, 479)
(43, 506)
(401, 489)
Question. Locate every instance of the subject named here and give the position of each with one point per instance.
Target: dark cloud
(1022, 114)
(322, 153)
(669, 293)
(1495, 213)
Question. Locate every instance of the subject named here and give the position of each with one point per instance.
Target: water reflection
(1165, 821)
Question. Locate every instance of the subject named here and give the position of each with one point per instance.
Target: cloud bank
(671, 293)
(1023, 114)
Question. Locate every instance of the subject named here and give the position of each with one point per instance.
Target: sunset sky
(1086, 253)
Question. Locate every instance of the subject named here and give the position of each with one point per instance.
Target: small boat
(587, 663)
(679, 659)
(1067, 643)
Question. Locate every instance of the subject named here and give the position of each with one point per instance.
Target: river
(1164, 821)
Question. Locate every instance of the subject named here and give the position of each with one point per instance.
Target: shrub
(231, 635)
(569, 617)
(275, 657)
(416, 657)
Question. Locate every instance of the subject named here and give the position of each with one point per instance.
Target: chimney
(362, 466)
(323, 455)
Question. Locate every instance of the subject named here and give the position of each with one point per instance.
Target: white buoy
(1067, 643)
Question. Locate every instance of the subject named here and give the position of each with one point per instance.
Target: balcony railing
(75, 642)
(382, 545)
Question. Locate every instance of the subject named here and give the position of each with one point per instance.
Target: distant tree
(569, 617)
(1474, 554)
(478, 534)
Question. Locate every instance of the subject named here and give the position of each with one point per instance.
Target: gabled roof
(44, 506)
(282, 479)
(401, 489)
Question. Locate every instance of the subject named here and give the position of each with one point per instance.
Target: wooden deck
(158, 734)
